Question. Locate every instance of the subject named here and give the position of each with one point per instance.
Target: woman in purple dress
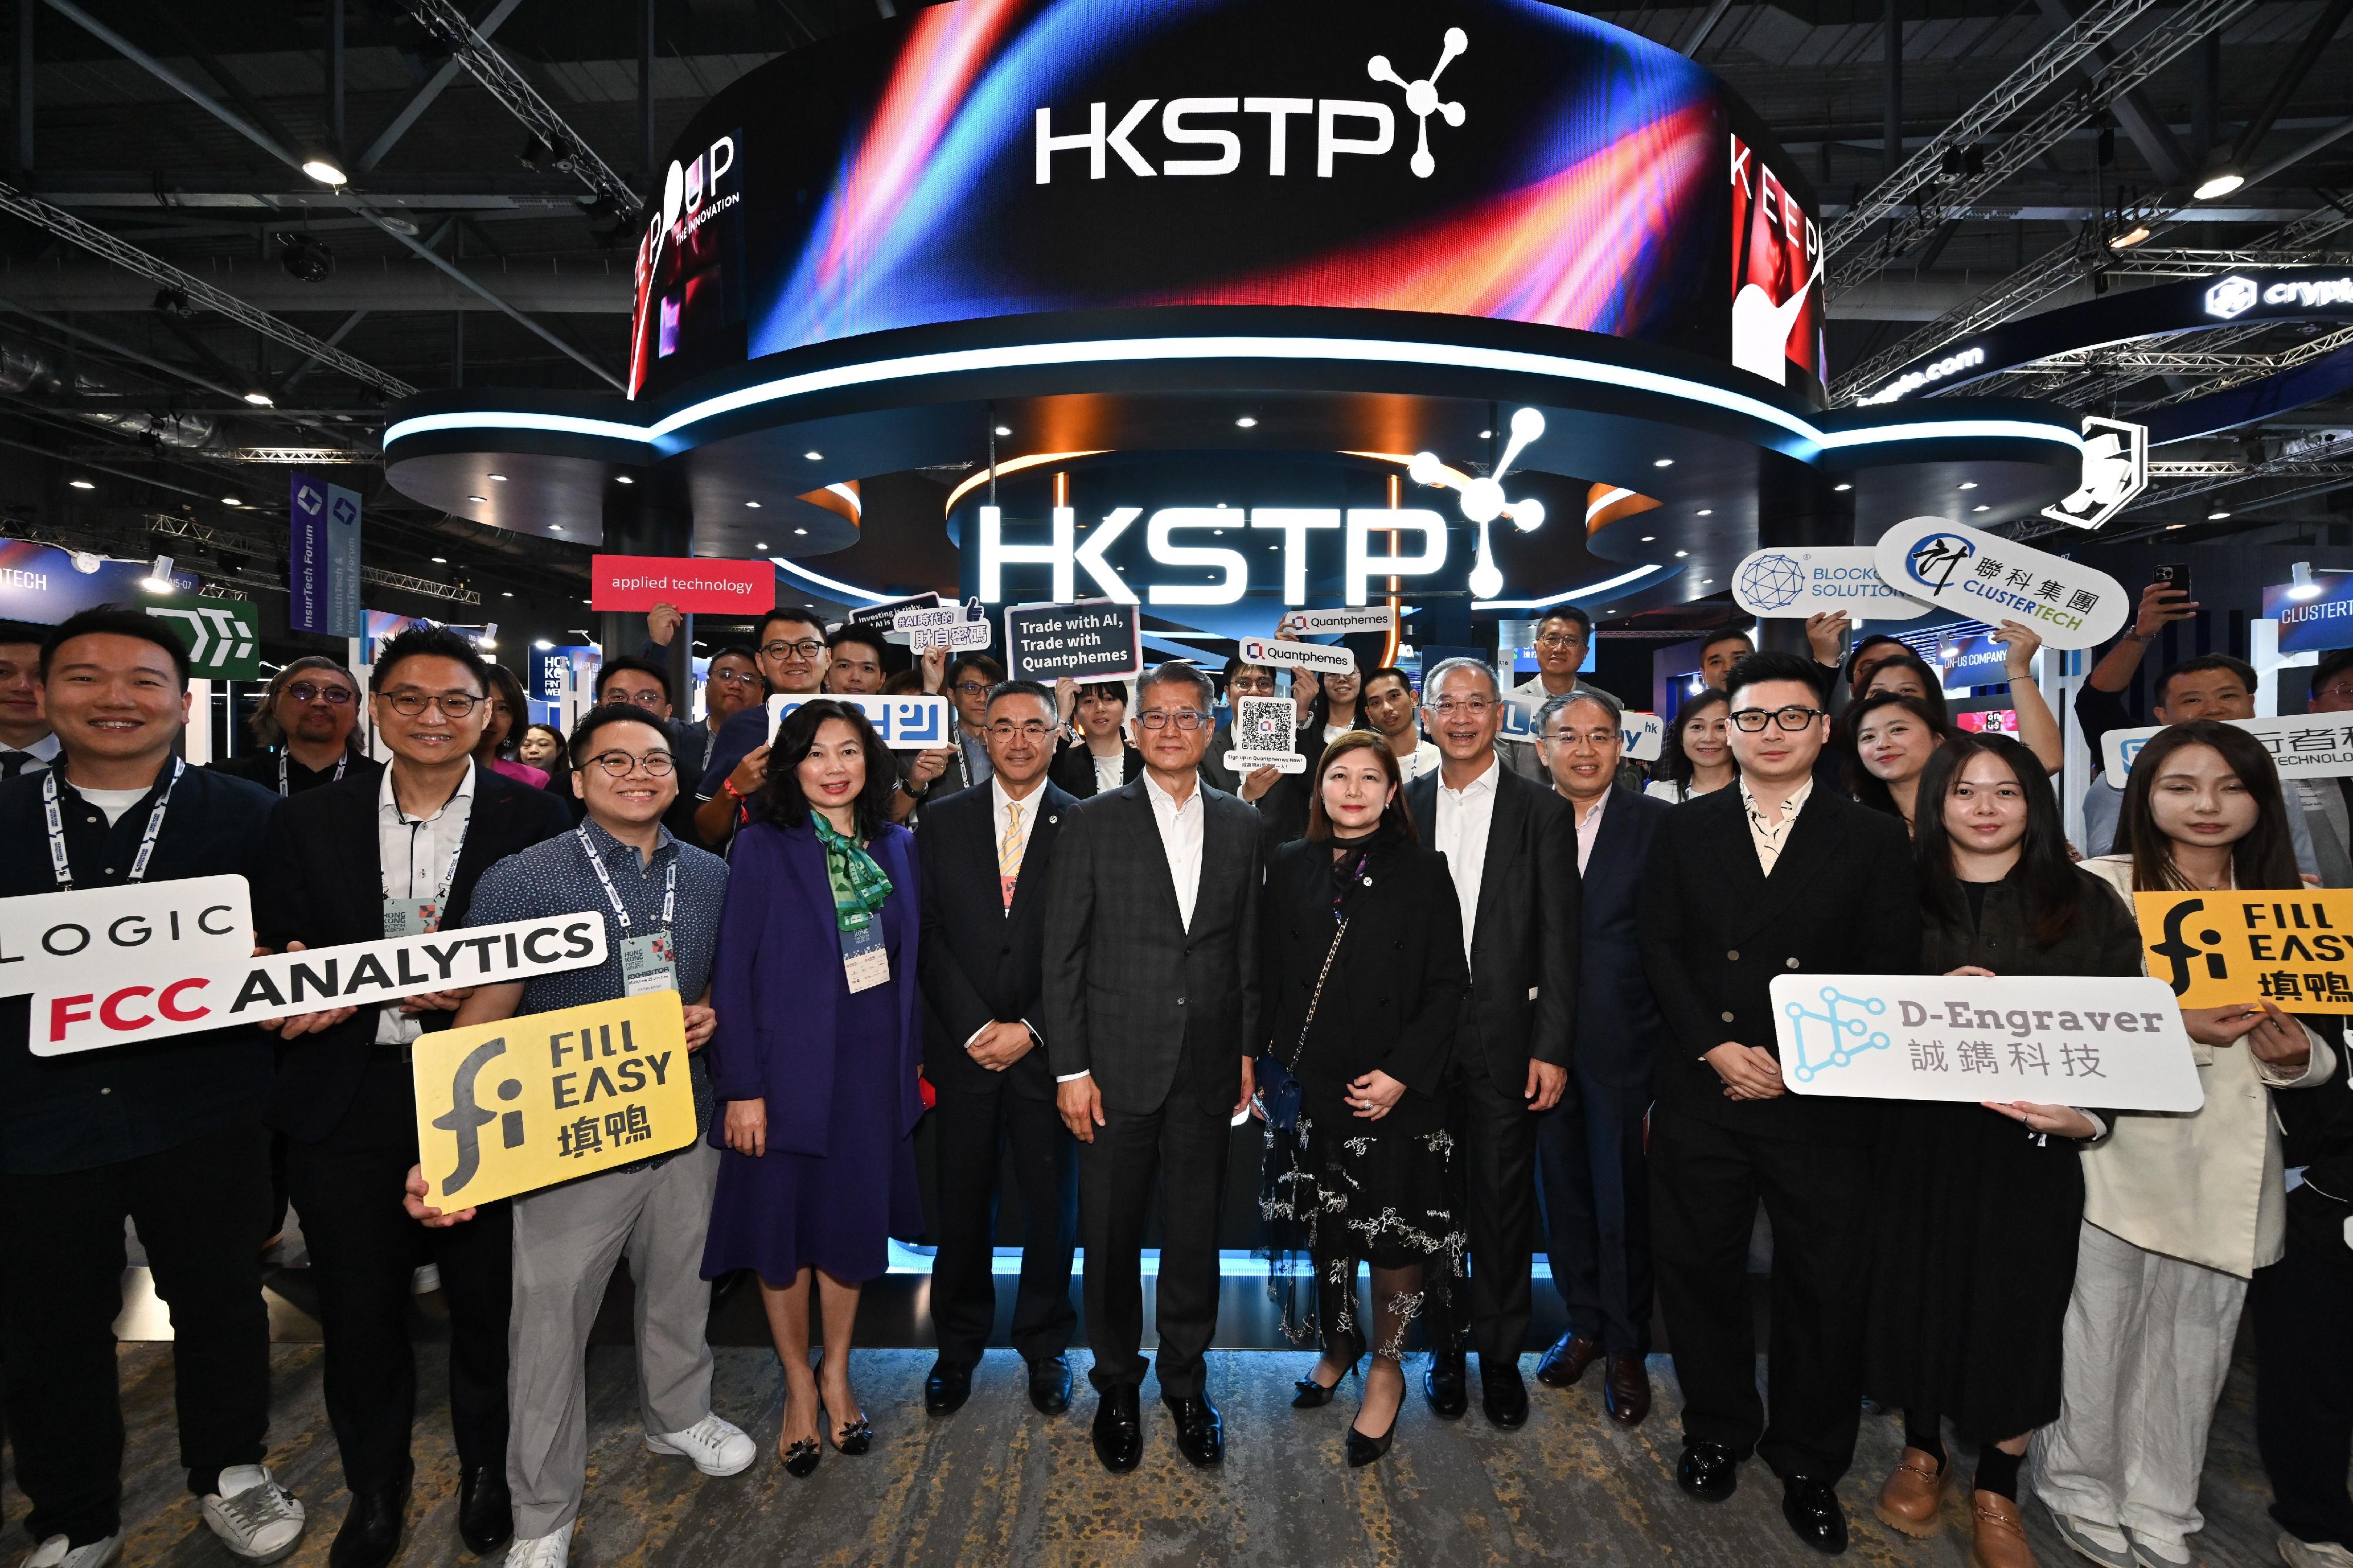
(815, 1055)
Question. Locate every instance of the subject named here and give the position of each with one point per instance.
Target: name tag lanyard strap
(62, 869)
(284, 790)
(604, 881)
(449, 878)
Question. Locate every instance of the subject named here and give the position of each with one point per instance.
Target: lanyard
(605, 880)
(62, 869)
(282, 789)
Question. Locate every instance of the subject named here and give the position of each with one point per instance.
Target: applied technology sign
(1820, 580)
(1956, 567)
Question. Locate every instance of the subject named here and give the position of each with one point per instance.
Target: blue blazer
(773, 982)
(1619, 1029)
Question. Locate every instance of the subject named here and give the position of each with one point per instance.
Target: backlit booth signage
(1374, 544)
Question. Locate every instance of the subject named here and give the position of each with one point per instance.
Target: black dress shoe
(1447, 1385)
(1200, 1432)
(946, 1389)
(1812, 1510)
(1119, 1428)
(370, 1537)
(1501, 1394)
(485, 1511)
(1049, 1385)
(1565, 1362)
(1626, 1388)
(1709, 1472)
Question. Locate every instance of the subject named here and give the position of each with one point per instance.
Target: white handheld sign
(905, 723)
(1956, 567)
(1819, 580)
(1643, 734)
(1279, 653)
(949, 626)
(1265, 734)
(1330, 623)
(2303, 745)
(2053, 1040)
(50, 940)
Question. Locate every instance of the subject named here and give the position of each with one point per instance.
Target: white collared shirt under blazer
(2208, 1187)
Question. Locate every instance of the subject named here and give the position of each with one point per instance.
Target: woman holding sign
(2180, 1210)
(815, 1055)
(1977, 1260)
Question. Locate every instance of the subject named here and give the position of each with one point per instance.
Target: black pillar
(641, 524)
(1892, 26)
(1796, 507)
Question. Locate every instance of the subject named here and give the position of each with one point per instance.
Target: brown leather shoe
(1626, 1391)
(1566, 1362)
(2000, 1534)
(1911, 1500)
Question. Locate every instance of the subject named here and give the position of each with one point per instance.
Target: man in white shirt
(1394, 713)
(26, 743)
(1152, 1005)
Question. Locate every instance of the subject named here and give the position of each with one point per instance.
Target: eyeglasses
(807, 647)
(972, 687)
(1594, 738)
(1030, 730)
(410, 702)
(1250, 686)
(1753, 720)
(1471, 706)
(303, 691)
(618, 764)
(742, 677)
(1183, 718)
(646, 698)
(1559, 642)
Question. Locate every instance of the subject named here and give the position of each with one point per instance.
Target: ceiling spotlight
(1650, 538)
(2300, 583)
(802, 531)
(479, 500)
(260, 399)
(555, 528)
(173, 302)
(81, 484)
(753, 504)
(500, 479)
(1486, 435)
(1706, 581)
(623, 479)
(762, 545)
(159, 577)
(506, 593)
(1842, 487)
(1707, 511)
(1681, 553)
(231, 501)
(2171, 526)
(542, 643)
(1005, 429)
(814, 457)
(440, 561)
(2220, 177)
(1246, 423)
(325, 169)
(2212, 517)
(2137, 233)
(534, 153)
(1968, 484)
(1981, 506)
(305, 257)
(1662, 462)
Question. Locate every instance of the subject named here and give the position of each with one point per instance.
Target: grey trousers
(566, 1242)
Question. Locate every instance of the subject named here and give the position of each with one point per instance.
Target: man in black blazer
(1775, 876)
(987, 854)
(356, 861)
(1152, 1018)
(1590, 1167)
(1510, 847)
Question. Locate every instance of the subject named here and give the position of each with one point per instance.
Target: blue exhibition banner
(323, 575)
(1974, 660)
(2316, 624)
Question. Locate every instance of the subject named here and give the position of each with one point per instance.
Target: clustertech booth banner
(2316, 624)
(322, 571)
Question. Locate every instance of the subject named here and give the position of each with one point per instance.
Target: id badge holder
(411, 917)
(865, 961)
(649, 963)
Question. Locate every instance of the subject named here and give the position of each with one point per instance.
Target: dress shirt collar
(1162, 801)
(46, 748)
(999, 798)
(1590, 816)
(1483, 784)
(385, 801)
(1790, 808)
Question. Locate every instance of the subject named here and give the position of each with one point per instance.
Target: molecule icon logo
(1422, 100)
(1833, 1037)
(1770, 582)
(2231, 297)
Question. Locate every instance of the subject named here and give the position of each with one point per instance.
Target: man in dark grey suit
(1510, 846)
(1151, 1005)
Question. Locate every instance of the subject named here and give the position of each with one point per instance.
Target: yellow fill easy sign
(515, 1106)
(2295, 949)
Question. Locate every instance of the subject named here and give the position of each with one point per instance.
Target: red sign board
(697, 585)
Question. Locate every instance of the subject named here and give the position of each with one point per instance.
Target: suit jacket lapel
(1504, 826)
(1736, 851)
(1145, 824)
(1803, 854)
(1612, 841)
(1421, 804)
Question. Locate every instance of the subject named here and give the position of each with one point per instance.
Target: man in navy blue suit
(1590, 1165)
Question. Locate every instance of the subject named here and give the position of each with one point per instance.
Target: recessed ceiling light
(81, 484)
(1681, 553)
(500, 478)
(1842, 487)
(802, 531)
(814, 457)
(1662, 462)
(2171, 526)
(1706, 581)
(1486, 435)
(507, 594)
(555, 528)
(2210, 517)
(260, 399)
(1707, 511)
(753, 504)
(475, 498)
(762, 545)
(1981, 506)
(1650, 538)
(1968, 484)
(440, 561)
(623, 479)
(1247, 423)
(1005, 429)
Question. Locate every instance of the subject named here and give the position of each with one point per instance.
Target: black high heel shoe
(800, 1459)
(1314, 1396)
(851, 1438)
(1363, 1450)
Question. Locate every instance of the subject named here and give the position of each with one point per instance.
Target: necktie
(14, 762)
(1008, 852)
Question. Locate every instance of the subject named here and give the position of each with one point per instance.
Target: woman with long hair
(2179, 1210)
(1975, 1265)
(1362, 974)
(1335, 710)
(1888, 740)
(1697, 757)
(815, 1055)
(508, 713)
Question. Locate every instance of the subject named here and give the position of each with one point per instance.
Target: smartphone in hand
(2176, 577)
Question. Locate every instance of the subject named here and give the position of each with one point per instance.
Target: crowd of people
(1486, 987)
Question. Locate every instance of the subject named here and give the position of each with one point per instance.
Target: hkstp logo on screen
(1371, 124)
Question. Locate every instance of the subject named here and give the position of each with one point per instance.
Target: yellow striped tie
(1008, 852)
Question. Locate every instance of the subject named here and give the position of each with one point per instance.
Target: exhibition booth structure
(1474, 306)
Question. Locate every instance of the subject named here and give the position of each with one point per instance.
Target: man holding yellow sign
(581, 1091)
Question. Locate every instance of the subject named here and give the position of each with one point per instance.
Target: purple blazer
(774, 984)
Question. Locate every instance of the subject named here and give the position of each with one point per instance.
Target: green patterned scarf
(860, 886)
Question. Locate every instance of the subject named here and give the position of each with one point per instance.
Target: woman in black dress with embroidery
(1364, 973)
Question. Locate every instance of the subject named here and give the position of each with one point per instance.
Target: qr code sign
(1265, 725)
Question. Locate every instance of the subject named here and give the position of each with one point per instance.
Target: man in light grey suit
(1151, 1011)
(2327, 805)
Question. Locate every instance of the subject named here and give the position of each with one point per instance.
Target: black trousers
(1496, 1134)
(1705, 1180)
(974, 1122)
(364, 1250)
(1184, 1146)
(202, 1210)
(2302, 1309)
(1596, 1190)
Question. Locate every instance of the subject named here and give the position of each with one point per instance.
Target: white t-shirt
(113, 801)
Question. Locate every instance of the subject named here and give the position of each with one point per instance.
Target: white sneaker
(2103, 1543)
(254, 1516)
(541, 1551)
(54, 1554)
(2312, 1553)
(717, 1446)
(2154, 1552)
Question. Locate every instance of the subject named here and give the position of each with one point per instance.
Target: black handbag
(1279, 1089)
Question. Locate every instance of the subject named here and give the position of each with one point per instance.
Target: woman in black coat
(1976, 1247)
(1363, 975)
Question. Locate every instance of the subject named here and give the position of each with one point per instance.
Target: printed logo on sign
(2231, 296)
(1772, 581)
(2178, 953)
(465, 1119)
(1421, 99)
(307, 499)
(1933, 560)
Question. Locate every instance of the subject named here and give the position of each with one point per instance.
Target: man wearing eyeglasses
(987, 854)
(1564, 635)
(792, 655)
(1152, 1011)
(1510, 846)
(1773, 877)
(645, 686)
(357, 861)
(307, 727)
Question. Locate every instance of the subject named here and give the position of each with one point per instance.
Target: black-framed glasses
(807, 647)
(1028, 729)
(973, 687)
(1183, 718)
(618, 764)
(409, 702)
(648, 699)
(307, 691)
(1753, 720)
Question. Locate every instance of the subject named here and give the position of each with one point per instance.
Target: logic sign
(2293, 948)
(1956, 567)
(223, 635)
(1093, 639)
(49, 940)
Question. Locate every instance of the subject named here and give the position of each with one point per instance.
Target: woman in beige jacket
(2180, 1210)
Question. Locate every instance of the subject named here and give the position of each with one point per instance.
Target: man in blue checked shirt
(661, 900)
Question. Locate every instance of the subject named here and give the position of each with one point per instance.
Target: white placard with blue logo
(1988, 578)
(2303, 745)
(1819, 580)
(2099, 1040)
(1642, 734)
(905, 723)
